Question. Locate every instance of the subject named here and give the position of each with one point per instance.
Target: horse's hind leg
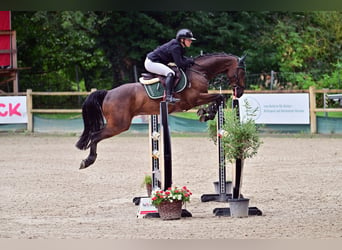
(108, 131)
(91, 157)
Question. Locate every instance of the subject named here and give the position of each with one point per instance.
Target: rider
(172, 51)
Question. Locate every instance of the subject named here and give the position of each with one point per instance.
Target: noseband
(236, 78)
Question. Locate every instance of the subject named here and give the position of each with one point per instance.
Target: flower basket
(170, 210)
(169, 203)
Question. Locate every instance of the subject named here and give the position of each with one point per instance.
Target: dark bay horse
(119, 105)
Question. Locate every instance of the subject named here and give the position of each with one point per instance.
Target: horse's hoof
(203, 118)
(83, 164)
(200, 112)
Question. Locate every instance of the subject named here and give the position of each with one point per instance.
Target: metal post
(221, 194)
(154, 136)
(221, 156)
(237, 177)
(167, 154)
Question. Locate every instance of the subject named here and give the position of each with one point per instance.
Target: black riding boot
(169, 89)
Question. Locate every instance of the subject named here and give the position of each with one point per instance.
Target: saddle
(150, 78)
(154, 84)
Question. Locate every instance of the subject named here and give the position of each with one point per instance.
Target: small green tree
(240, 140)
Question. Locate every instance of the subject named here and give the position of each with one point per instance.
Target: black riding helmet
(185, 33)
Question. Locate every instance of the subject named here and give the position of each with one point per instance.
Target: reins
(198, 72)
(235, 78)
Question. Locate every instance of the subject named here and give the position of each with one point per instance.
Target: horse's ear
(242, 59)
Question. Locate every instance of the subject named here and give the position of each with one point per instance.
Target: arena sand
(294, 181)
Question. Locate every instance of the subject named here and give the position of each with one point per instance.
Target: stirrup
(171, 99)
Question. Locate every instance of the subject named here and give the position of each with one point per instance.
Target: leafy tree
(307, 43)
(125, 45)
(53, 43)
(106, 47)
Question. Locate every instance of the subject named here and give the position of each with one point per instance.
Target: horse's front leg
(211, 110)
(202, 111)
(91, 157)
(210, 113)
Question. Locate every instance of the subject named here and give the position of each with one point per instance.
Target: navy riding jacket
(171, 51)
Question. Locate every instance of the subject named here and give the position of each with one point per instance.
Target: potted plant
(147, 182)
(240, 140)
(169, 203)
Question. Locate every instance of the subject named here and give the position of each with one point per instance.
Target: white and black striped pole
(221, 154)
(154, 136)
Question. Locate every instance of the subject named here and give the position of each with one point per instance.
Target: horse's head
(236, 76)
(209, 65)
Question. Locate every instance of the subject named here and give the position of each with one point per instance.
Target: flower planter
(228, 187)
(238, 207)
(170, 210)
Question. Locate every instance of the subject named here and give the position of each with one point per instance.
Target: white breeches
(157, 68)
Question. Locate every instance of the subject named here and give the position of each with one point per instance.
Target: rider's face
(187, 42)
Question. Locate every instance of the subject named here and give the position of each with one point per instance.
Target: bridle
(236, 78)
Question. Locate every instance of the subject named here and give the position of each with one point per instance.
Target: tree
(307, 43)
(53, 43)
(105, 47)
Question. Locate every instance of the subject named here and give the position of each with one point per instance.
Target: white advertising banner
(276, 108)
(13, 109)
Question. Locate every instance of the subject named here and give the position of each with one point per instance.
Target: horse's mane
(223, 54)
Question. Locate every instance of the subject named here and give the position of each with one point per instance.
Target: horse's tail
(92, 117)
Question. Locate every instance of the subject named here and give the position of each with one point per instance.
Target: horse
(119, 105)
